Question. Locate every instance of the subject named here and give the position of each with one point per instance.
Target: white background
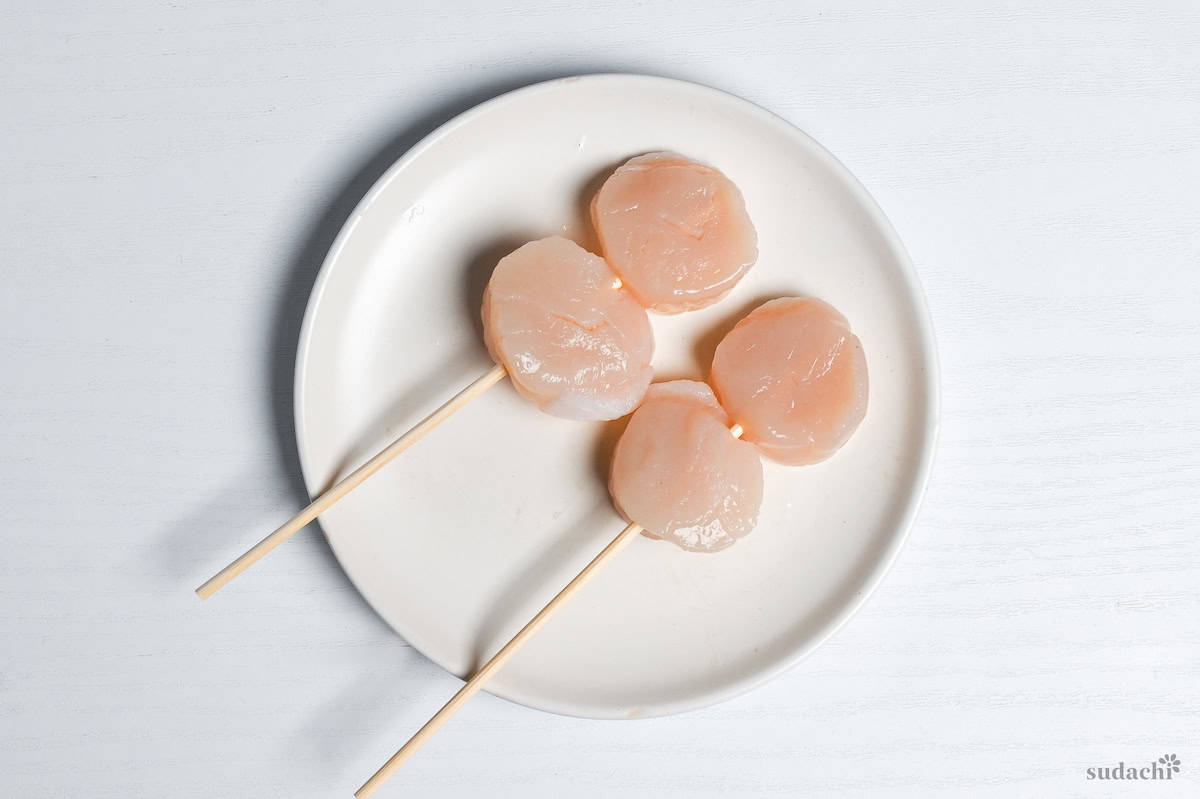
(170, 178)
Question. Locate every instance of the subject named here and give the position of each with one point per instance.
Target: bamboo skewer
(352, 481)
(496, 663)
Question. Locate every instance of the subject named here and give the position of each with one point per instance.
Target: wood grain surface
(171, 175)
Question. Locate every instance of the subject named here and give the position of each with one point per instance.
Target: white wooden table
(170, 177)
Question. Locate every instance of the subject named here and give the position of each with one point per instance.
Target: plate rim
(925, 335)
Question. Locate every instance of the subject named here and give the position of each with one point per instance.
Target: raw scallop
(676, 231)
(572, 343)
(679, 472)
(795, 377)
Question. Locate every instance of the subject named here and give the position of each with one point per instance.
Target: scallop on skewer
(559, 325)
(683, 470)
(676, 231)
(572, 335)
(677, 470)
(573, 343)
(795, 377)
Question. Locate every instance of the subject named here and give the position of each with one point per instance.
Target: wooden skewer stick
(498, 660)
(351, 481)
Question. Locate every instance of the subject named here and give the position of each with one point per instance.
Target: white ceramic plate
(463, 538)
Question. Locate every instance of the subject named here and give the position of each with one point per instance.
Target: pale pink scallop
(794, 377)
(678, 471)
(675, 230)
(571, 343)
